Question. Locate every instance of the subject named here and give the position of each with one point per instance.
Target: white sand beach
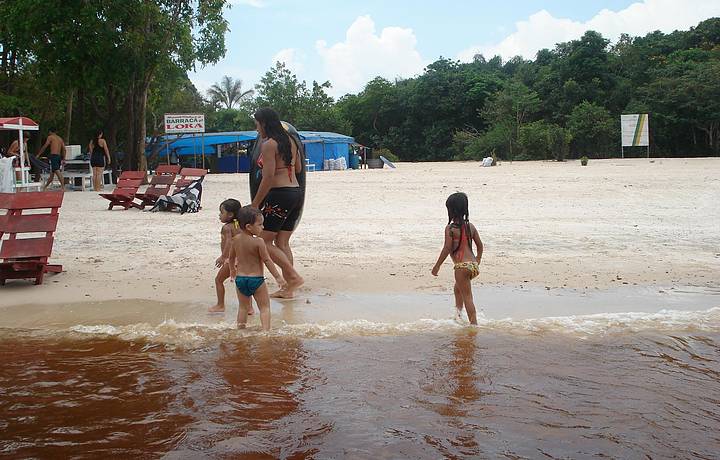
(614, 222)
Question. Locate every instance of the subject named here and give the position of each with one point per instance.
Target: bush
(386, 153)
(494, 142)
(540, 140)
(583, 160)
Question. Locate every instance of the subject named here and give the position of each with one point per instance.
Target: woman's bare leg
(292, 277)
(282, 241)
(96, 182)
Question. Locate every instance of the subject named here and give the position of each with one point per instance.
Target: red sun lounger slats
(125, 190)
(26, 248)
(35, 200)
(29, 223)
(187, 175)
(159, 185)
(22, 256)
(167, 169)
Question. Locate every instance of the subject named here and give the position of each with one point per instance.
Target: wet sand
(614, 222)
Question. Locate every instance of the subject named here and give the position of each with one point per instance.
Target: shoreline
(557, 225)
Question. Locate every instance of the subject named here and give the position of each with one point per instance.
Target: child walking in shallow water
(248, 253)
(229, 210)
(459, 235)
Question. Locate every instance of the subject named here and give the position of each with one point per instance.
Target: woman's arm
(267, 152)
(265, 257)
(107, 152)
(447, 247)
(298, 158)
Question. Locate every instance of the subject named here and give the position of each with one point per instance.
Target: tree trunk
(140, 126)
(68, 115)
(130, 155)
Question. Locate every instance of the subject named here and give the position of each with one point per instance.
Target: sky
(350, 42)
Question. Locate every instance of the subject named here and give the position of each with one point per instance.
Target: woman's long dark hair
(96, 139)
(270, 121)
(457, 207)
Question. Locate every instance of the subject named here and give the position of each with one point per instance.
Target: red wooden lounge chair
(167, 169)
(28, 257)
(125, 190)
(159, 185)
(187, 175)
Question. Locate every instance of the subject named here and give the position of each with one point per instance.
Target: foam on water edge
(170, 331)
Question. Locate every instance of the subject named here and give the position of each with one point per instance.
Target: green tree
(510, 108)
(594, 131)
(280, 89)
(118, 48)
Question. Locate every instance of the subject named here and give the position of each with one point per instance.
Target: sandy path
(546, 223)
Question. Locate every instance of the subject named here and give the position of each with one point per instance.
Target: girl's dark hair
(270, 121)
(232, 206)
(457, 207)
(247, 216)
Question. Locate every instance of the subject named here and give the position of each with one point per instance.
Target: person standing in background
(56, 157)
(99, 159)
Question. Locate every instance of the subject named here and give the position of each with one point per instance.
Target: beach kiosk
(21, 124)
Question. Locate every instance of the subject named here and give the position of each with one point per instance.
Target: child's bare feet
(241, 325)
(216, 309)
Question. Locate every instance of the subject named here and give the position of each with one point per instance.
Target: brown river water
(629, 373)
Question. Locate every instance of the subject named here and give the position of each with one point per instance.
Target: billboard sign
(184, 123)
(635, 130)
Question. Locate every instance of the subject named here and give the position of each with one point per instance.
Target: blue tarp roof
(324, 136)
(193, 144)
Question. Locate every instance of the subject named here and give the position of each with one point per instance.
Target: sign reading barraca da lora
(184, 123)
(635, 130)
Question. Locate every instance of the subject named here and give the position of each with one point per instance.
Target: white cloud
(364, 54)
(543, 30)
(292, 58)
(253, 3)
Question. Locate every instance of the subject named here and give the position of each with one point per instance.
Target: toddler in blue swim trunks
(247, 255)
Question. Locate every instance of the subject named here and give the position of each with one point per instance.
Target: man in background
(56, 157)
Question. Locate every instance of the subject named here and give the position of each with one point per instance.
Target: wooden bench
(28, 257)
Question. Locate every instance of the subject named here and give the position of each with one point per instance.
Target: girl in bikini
(459, 236)
(229, 210)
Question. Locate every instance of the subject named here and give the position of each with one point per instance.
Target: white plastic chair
(309, 167)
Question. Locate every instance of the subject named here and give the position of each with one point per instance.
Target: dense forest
(120, 66)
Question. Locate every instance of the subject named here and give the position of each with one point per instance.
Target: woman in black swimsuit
(99, 158)
(279, 194)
